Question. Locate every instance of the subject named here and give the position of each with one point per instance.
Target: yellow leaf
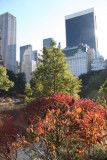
(54, 120)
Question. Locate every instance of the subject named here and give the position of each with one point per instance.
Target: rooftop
(90, 10)
(7, 13)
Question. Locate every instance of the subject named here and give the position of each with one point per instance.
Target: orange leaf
(37, 139)
(78, 110)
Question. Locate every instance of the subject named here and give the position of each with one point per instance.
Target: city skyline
(40, 20)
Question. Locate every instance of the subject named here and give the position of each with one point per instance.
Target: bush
(66, 127)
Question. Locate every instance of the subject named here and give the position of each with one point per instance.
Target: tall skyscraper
(1, 60)
(80, 28)
(47, 42)
(28, 65)
(37, 54)
(0, 44)
(22, 50)
(8, 28)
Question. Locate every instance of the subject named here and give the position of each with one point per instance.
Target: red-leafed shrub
(61, 121)
(41, 106)
(8, 135)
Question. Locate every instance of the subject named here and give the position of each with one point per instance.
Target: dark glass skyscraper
(80, 28)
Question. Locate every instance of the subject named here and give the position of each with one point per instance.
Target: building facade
(37, 55)
(8, 28)
(47, 42)
(22, 50)
(1, 60)
(29, 60)
(79, 59)
(28, 65)
(98, 63)
(81, 28)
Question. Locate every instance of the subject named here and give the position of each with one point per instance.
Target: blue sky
(39, 19)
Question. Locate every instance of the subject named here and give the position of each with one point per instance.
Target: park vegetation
(102, 94)
(5, 83)
(56, 127)
(91, 83)
(52, 74)
(55, 124)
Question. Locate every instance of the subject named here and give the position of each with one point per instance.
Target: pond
(12, 108)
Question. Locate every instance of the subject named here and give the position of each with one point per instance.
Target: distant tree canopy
(5, 83)
(52, 74)
(102, 94)
(92, 81)
(19, 82)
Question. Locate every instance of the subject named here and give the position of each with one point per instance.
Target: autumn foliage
(61, 121)
(60, 124)
(8, 135)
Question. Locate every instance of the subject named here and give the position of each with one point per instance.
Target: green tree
(28, 92)
(52, 74)
(19, 82)
(102, 94)
(91, 83)
(28, 89)
(5, 83)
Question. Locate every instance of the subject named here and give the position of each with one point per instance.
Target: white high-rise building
(8, 28)
(28, 65)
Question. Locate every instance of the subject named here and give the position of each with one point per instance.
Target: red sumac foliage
(41, 106)
(62, 120)
(8, 134)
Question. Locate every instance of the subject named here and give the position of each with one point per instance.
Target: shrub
(60, 122)
(8, 135)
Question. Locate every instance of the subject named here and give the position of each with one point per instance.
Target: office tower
(79, 58)
(1, 60)
(22, 50)
(8, 28)
(80, 28)
(37, 55)
(0, 45)
(28, 65)
(47, 42)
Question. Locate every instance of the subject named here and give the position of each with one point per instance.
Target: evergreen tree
(5, 83)
(19, 82)
(52, 74)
